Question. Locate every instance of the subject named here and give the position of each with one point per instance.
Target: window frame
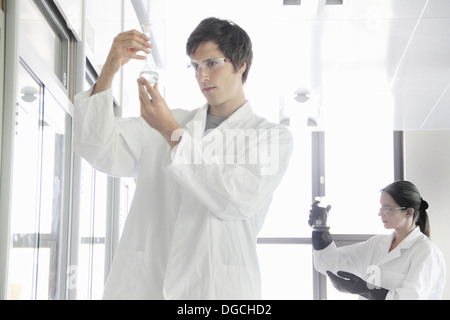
(50, 86)
(57, 22)
(56, 243)
(2, 72)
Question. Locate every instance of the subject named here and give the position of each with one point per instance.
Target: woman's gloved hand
(349, 283)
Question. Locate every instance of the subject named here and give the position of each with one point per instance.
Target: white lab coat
(191, 231)
(414, 270)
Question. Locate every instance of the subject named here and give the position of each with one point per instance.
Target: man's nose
(202, 75)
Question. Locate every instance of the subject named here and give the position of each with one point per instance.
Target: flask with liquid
(150, 71)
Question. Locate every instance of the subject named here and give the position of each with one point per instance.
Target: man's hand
(124, 48)
(155, 112)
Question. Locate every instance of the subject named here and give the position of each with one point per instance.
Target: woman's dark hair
(232, 40)
(406, 194)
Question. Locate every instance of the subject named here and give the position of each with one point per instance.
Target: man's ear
(243, 68)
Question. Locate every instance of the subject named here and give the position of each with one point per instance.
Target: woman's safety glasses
(208, 65)
(390, 210)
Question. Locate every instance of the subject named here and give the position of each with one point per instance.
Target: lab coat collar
(240, 114)
(199, 120)
(407, 243)
(410, 239)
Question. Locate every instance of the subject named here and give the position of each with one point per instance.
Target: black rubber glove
(321, 239)
(349, 283)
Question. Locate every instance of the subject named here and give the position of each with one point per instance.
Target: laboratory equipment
(148, 11)
(319, 214)
(150, 71)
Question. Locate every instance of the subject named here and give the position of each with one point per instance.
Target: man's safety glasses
(208, 65)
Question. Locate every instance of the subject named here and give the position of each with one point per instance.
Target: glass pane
(27, 162)
(53, 159)
(46, 42)
(39, 179)
(98, 271)
(334, 294)
(103, 24)
(100, 204)
(44, 275)
(358, 164)
(86, 193)
(25, 188)
(83, 272)
(81, 262)
(288, 213)
(90, 260)
(286, 271)
(21, 275)
(24, 281)
(98, 248)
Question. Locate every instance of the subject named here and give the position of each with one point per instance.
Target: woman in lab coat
(405, 265)
(198, 206)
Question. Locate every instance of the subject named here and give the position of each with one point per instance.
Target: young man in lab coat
(204, 178)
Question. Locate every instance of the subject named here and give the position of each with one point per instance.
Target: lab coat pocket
(235, 283)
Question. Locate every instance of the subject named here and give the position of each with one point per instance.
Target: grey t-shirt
(213, 122)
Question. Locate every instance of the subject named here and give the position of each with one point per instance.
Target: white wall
(427, 158)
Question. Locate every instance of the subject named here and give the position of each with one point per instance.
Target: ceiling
(366, 63)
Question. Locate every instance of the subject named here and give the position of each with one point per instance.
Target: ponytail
(422, 220)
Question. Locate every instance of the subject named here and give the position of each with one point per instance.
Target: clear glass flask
(150, 71)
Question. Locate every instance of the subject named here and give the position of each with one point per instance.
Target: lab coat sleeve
(425, 279)
(111, 145)
(349, 258)
(229, 189)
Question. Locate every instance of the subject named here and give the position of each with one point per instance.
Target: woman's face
(392, 217)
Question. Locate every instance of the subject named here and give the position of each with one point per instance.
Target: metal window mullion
(39, 190)
(92, 240)
(2, 71)
(112, 222)
(8, 129)
(267, 240)
(66, 206)
(319, 285)
(318, 164)
(318, 190)
(399, 166)
(92, 233)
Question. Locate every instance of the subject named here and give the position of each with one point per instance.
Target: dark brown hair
(232, 40)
